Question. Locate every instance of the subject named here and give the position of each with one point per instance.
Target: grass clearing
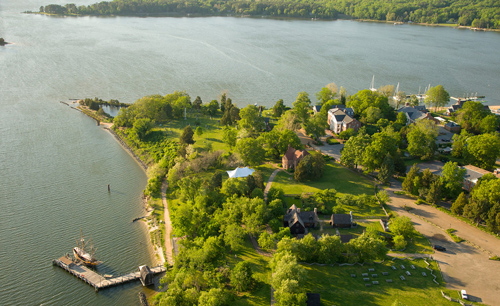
(337, 287)
(261, 293)
(267, 170)
(335, 176)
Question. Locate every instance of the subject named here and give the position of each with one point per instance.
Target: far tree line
(477, 13)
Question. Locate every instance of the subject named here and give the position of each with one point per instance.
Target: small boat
(82, 255)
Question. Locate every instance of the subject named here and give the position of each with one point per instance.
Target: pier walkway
(95, 279)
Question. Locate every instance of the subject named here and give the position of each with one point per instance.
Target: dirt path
(269, 183)
(168, 225)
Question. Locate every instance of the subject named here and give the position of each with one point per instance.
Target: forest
(475, 13)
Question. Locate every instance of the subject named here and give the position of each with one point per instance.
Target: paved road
(463, 266)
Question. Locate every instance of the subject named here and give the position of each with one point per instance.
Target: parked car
(439, 248)
(464, 294)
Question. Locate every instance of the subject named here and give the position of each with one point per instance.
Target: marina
(98, 281)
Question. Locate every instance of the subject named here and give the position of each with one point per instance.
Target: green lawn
(261, 294)
(267, 170)
(211, 131)
(337, 287)
(335, 176)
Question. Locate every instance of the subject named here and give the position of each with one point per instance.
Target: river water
(55, 163)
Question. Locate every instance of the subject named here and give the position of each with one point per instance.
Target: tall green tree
(310, 167)
(316, 125)
(437, 96)
(483, 150)
(326, 93)
(383, 143)
(402, 226)
(279, 108)
(187, 135)
(452, 177)
(242, 276)
(409, 181)
(302, 107)
(251, 119)
(386, 169)
(470, 117)
(459, 146)
(251, 151)
(459, 204)
(422, 139)
(352, 154)
(215, 297)
(434, 194)
(213, 107)
(197, 103)
(142, 127)
(229, 136)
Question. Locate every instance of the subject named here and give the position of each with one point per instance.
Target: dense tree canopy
(422, 139)
(478, 13)
(157, 108)
(474, 118)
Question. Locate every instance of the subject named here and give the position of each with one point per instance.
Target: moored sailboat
(81, 254)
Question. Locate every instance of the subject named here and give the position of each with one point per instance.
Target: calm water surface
(55, 163)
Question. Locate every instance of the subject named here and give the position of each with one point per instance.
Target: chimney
(352, 221)
(298, 210)
(315, 210)
(407, 104)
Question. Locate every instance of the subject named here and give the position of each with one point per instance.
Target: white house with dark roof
(340, 120)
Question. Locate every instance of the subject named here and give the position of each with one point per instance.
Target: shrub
(332, 141)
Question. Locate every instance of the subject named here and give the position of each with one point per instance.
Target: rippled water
(55, 163)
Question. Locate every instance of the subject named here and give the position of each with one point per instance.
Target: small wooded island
(237, 237)
(483, 14)
(3, 42)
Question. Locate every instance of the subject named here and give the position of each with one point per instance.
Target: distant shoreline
(179, 15)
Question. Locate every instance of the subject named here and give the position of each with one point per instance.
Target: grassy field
(335, 176)
(337, 287)
(261, 294)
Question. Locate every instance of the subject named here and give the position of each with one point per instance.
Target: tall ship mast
(81, 254)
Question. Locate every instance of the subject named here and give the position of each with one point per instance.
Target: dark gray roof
(413, 113)
(317, 108)
(340, 117)
(341, 219)
(473, 173)
(451, 124)
(294, 215)
(313, 299)
(295, 218)
(345, 238)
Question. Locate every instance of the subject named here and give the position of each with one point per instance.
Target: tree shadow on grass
(336, 285)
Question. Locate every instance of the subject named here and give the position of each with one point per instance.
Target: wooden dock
(96, 280)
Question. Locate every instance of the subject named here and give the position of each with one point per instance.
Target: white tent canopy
(240, 172)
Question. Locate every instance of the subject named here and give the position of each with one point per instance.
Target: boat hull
(84, 260)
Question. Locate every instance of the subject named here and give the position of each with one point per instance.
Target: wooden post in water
(109, 189)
